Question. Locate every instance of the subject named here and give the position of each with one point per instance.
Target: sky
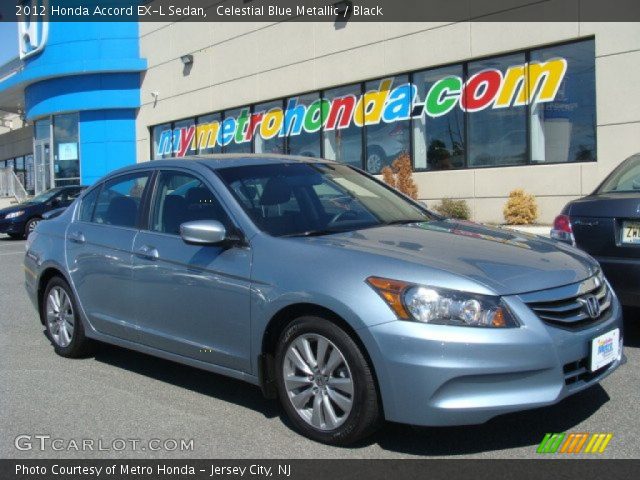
(8, 41)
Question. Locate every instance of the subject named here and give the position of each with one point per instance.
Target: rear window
(626, 178)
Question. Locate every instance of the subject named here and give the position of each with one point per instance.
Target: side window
(88, 205)
(119, 200)
(183, 198)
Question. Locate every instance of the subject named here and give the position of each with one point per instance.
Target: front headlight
(14, 214)
(442, 306)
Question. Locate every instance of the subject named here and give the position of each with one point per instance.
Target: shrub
(388, 177)
(521, 208)
(451, 208)
(400, 176)
(404, 176)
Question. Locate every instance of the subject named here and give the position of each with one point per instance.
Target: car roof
(225, 160)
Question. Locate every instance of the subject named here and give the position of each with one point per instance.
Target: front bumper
(624, 276)
(13, 226)
(441, 375)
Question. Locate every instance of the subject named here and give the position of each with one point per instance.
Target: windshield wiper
(405, 221)
(314, 233)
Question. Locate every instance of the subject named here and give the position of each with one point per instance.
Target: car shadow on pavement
(194, 379)
(514, 430)
(520, 429)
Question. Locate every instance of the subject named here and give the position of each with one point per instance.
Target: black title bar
(337, 11)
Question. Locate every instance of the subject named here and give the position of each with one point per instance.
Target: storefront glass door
(43, 166)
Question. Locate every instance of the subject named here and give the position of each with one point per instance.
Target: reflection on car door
(99, 255)
(191, 300)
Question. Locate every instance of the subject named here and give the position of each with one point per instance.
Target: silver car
(326, 288)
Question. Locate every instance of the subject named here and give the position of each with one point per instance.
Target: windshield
(290, 199)
(44, 196)
(625, 178)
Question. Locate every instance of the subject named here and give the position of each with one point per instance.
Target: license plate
(605, 349)
(631, 232)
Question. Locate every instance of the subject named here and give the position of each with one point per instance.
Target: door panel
(192, 300)
(99, 253)
(100, 263)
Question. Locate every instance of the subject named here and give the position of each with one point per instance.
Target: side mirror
(203, 232)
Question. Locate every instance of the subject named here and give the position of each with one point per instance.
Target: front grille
(572, 311)
(578, 372)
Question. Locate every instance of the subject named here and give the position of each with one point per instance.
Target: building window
(438, 139)
(66, 154)
(387, 138)
(299, 140)
(532, 107)
(29, 185)
(497, 136)
(564, 130)
(162, 141)
(342, 137)
(23, 169)
(207, 131)
(268, 129)
(43, 129)
(233, 131)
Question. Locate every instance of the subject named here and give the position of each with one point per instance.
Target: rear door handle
(150, 253)
(77, 237)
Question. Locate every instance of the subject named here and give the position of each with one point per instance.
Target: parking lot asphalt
(119, 394)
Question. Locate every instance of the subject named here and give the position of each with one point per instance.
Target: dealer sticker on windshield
(605, 349)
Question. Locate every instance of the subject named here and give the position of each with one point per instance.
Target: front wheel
(325, 383)
(31, 226)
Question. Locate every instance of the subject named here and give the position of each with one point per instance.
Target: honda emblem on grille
(591, 305)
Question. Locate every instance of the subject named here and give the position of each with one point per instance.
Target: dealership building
(480, 107)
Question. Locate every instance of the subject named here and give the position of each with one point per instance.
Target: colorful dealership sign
(519, 85)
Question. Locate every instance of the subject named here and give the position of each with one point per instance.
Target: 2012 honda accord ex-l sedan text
(349, 301)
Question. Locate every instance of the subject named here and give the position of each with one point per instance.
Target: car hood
(505, 261)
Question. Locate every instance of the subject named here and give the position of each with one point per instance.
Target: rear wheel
(64, 327)
(376, 159)
(325, 383)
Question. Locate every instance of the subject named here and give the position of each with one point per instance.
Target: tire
(376, 159)
(348, 417)
(31, 225)
(66, 332)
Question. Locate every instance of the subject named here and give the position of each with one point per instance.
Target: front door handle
(150, 253)
(77, 237)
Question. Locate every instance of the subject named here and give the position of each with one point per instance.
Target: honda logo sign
(33, 31)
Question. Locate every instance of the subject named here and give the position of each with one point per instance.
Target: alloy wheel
(31, 226)
(60, 316)
(318, 381)
(374, 162)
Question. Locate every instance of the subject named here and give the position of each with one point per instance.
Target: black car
(19, 220)
(606, 224)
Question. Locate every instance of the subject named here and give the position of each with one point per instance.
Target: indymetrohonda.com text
(96, 471)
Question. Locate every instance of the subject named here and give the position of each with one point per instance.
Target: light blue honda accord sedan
(313, 280)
